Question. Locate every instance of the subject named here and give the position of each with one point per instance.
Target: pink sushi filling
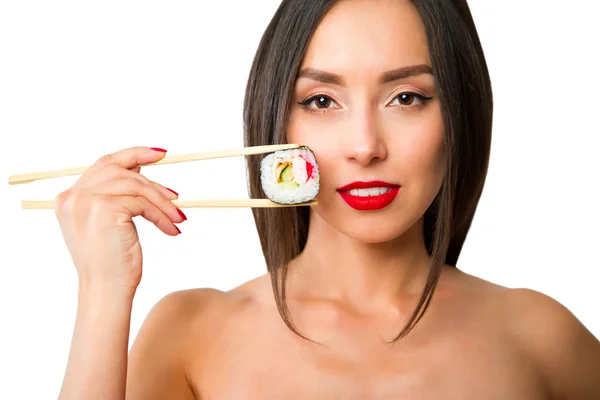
(309, 168)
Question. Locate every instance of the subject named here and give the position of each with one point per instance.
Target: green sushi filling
(289, 185)
(286, 174)
(287, 178)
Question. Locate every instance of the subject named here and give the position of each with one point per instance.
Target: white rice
(306, 191)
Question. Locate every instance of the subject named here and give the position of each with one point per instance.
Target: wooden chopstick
(244, 151)
(252, 203)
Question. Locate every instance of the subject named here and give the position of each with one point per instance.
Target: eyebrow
(390, 76)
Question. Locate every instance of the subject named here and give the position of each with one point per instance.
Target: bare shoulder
(157, 362)
(196, 310)
(567, 352)
(563, 350)
(194, 307)
(179, 327)
(182, 310)
(202, 317)
(190, 305)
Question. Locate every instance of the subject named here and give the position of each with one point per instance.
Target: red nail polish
(177, 229)
(158, 149)
(171, 190)
(182, 214)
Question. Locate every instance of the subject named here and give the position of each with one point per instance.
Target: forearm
(97, 364)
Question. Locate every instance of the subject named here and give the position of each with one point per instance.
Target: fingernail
(177, 229)
(158, 149)
(182, 214)
(171, 190)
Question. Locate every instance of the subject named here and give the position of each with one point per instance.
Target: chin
(366, 226)
(373, 229)
(373, 235)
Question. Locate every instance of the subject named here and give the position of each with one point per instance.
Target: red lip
(367, 185)
(370, 202)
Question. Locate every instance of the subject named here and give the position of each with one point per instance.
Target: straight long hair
(465, 94)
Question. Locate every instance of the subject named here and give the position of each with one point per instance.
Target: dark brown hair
(465, 94)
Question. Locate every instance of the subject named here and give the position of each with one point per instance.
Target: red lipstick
(368, 203)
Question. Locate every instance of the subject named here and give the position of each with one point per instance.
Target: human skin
(358, 279)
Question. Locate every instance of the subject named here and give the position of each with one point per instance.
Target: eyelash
(306, 103)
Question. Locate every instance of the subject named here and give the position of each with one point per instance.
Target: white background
(81, 79)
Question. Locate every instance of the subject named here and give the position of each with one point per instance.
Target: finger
(134, 156)
(168, 193)
(146, 209)
(113, 171)
(136, 188)
(70, 202)
(131, 157)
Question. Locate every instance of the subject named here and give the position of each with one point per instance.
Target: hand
(95, 217)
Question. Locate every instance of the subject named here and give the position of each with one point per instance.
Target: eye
(321, 101)
(410, 99)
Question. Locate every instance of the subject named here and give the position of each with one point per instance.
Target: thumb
(136, 156)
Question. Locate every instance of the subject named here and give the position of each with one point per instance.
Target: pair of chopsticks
(244, 151)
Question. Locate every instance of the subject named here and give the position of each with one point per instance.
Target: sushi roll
(290, 176)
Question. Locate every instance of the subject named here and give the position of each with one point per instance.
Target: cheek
(420, 152)
(298, 131)
(308, 131)
(425, 151)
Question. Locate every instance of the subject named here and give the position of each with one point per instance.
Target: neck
(338, 267)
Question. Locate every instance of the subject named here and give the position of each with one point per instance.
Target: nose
(364, 142)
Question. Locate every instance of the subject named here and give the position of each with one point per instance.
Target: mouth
(367, 196)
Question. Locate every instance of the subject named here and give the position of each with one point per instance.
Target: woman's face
(363, 83)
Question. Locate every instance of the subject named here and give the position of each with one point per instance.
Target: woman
(395, 100)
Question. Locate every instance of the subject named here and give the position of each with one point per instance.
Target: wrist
(93, 294)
